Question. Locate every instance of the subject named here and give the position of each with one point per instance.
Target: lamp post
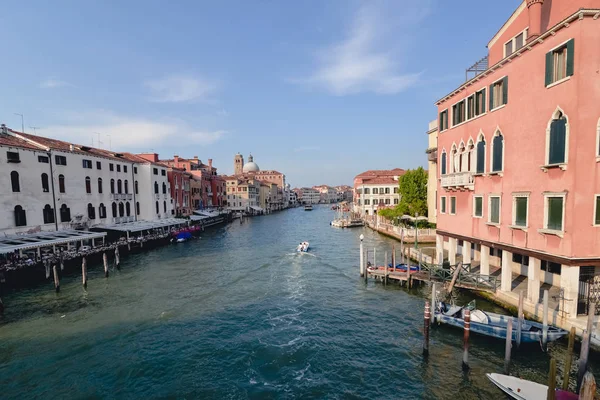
(416, 230)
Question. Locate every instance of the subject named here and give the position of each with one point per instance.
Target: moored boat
(522, 389)
(308, 207)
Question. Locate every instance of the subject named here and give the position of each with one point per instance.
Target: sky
(320, 90)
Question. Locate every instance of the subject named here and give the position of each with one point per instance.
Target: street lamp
(362, 237)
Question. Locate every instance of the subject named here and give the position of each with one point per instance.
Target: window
(114, 209)
(443, 120)
(156, 187)
(98, 165)
(126, 186)
(560, 62)
(119, 186)
(87, 164)
(60, 160)
(515, 43)
(163, 172)
(65, 213)
(597, 210)
(157, 210)
(164, 188)
(14, 181)
(164, 206)
(443, 162)
(458, 113)
(520, 40)
(125, 168)
(136, 187)
(480, 169)
(471, 106)
(554, 212)
(137, 208)
(48, 214)
(367, 191)
(367, 202)
(387, 201)
(135, 170)
(480, 102)
(557, 139)
(88, 185)
(91, 211)
(508, 48)
(20, 216)
(111, 167)
(112, 186)
(121, 210)
(478, 206)
(494, 207)
(118, 167)
(396, 201)
(387, 190)
(102, 211)
(43, 159)
(375, 191)
(520, 259)
(497, 152)
(12, 157)
(395, 190)
(550, 267)
(61, 183)
(520, 203)
(127, 209)
(499, 93)
(155, 171)
(443, 204)
(453, 205)
(45, 185)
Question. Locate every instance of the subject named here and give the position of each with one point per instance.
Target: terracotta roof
(140, 160)
(379, 181)
(268, 172)
(381, 172)
(11, 141)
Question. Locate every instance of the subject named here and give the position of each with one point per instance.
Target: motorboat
(522, 389)
(302, 247)
(494, 325)
(183, 236)
(308, 207)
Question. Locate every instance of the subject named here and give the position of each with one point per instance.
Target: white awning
(256, 208)
(198, 217)
(138, 226)
(9, 244)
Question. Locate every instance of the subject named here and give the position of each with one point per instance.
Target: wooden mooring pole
(117, 258)
(366, 270)
(545, 322)
(467, 326)
(385, 268)
(507, 347)
(588, 387)
(426, 326)
(84, 272)
(520, 317)
(569, 359)
(56, 279)
(585, 346)
(394, 258)
(105, 261)
(362, 258)
(552, 380)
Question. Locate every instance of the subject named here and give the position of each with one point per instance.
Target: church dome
(251, 166)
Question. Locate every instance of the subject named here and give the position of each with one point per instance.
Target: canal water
(239, 314)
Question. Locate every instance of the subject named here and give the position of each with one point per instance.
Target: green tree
(412, 187)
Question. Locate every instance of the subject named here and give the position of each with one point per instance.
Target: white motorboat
(308, 207)
(302, 247)
(522, 389)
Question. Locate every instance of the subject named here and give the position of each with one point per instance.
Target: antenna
(35, 128)
(99, 142)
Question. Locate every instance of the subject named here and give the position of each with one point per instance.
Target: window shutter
(491, 96)
(570, 56)
(558, 135)
(483, 100)
(549, 68)
(597, 216)
(505, 90)
(481, 157)
(440, 124)
(498, 147)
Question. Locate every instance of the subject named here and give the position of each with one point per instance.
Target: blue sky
(320, 90)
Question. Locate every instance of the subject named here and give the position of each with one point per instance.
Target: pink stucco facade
(524, 123)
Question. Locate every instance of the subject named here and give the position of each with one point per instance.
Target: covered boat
(494, 325)
(522, 389)
(183, 236)
(402, 267)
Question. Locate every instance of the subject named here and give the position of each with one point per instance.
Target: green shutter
(570, 56)
(521, 211)
(483, 100)
(549, 68)
(478, 206)
(597, 216)
(491, 96)
(505, 90)
(558, 137)
(481, 157)
(440, 124)
(555, 210)
(498, 149)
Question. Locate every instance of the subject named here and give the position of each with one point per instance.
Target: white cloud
(360, 63)
(130, 133)
(52, 83)
(180, 89)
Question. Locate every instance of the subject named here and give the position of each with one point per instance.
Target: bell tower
(238, 164)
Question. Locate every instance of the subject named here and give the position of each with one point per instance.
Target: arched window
(119, 186)
(127, 209)
(20, 217)
(88, 185)
(102, 211)
(14, 180)
(557, 139)
(61, 184)
(164, 206)
(470, 155)
(453, 159)
(136, 187)
(137, 208)
(164, 187)
(121, 210)
(112, 186)
(114, 209)
(99, 185)
(462, 157)
(480, 155)
(91, 211)
(48, 214)
(45, 185)
(443, 162)
(157, 210)
(126, 187)
(65, 213)
(497, 152)
(156, 187)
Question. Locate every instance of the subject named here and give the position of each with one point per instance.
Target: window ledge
(597, 158)
(483, 173)
(562, 166)
(518, 227)
(478, 216)
(493, 224)
(498, 108)
(499, 173)
(558, 82)
(554, 232)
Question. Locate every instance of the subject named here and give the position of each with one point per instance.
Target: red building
(179, 180)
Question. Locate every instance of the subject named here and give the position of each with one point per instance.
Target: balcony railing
(458, 180)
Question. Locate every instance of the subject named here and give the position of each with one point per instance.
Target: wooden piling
(569, 359)
(467, 326)
(56, 279)
(552, 380)
(588, 387)
(105, 261)
(545, 322)
(520, 317)
(507, 347)
(1, 307)
(394, 258)
(84, 272)
(585, 346)
(362, 260)
(385, 268)
(426, 326)
(366, 270)
(117, 258)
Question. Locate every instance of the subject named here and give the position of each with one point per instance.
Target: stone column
(484, 268)
(439, 248)
(466, 252)
(506, 266)
(477, 254)
(452, 251)
(533, 280)
(569, 282)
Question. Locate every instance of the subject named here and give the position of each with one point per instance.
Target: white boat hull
(519, 389)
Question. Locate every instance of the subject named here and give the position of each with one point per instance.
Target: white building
(328, 194)
(310, 196)
(432, 155)
(376, 189)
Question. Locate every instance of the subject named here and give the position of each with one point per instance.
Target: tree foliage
(413, 195)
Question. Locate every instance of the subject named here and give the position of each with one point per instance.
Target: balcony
(432, 154)
(459, 180)
(157, 196)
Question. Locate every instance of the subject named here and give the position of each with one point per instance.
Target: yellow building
(243, 194)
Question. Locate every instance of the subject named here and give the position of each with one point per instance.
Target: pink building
(518, 157)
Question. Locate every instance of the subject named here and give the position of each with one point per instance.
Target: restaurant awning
(256, 208)
(11, 243)
(198, 217)
(138, 226)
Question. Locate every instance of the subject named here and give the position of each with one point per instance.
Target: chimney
(4, 129)
(210, 163)
(71, 147)
(535, 18)
(176, 160)
(195, 157)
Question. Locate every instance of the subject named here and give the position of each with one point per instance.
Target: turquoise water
(239, 314)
